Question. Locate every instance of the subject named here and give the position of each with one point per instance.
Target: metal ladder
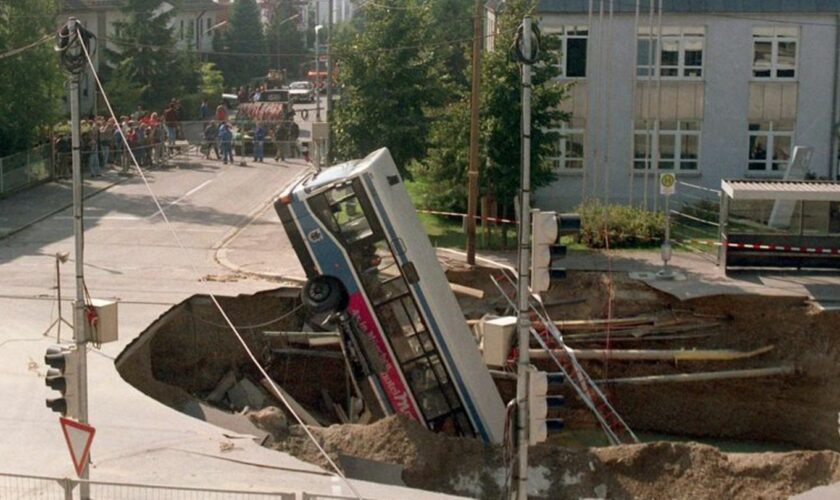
(614, 427)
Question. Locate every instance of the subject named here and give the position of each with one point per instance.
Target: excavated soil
(655, 470)
(800, 409)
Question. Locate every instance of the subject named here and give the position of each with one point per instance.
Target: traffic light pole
(79, 321)
(523, 293)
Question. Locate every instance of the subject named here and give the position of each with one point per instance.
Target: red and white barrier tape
(771, 248)
(455, 214)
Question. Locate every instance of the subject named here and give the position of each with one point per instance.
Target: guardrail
(25, 169)
(18, 486)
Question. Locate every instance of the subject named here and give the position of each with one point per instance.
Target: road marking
(184, 196)
(102, 217)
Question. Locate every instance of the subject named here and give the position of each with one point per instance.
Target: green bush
(627, 227)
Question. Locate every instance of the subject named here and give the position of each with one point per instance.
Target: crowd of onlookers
(103, 140)
(150, 135)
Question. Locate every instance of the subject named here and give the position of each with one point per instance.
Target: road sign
(79, 437)
(667, 184)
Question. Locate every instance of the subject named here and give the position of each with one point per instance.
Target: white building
(194, 23)
(730, 85)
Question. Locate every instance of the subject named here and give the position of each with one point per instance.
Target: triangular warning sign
(79, 437)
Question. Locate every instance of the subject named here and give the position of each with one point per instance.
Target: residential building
(195, 23)
(708, 89)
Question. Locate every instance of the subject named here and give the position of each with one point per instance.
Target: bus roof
(341, 171)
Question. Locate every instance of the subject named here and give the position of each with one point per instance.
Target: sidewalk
(30, 206)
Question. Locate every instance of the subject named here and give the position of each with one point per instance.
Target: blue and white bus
(368, 259)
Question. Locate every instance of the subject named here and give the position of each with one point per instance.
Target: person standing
(204, 111)
(93, 156)
(211, 139)
(170, 119)
(221, 112)
(64, 160)
(294, 134)
(259, 142)
(281, 141)
(120, 143)
(106, 134)
(226, 138)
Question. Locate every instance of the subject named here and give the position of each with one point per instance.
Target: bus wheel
(323, 294)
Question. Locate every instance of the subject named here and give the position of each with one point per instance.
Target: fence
(695, 219)
(18, 486)
(26, 168)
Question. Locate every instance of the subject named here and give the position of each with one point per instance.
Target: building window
(774, 52)
(771, 144)
(181, 30)
(681, 55)
(678, 145)
(207, 30)
(569, 148)
(571, 51)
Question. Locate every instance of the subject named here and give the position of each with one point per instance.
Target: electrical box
(105, 328)
(499, 334)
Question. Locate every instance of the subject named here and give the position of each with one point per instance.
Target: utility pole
(328, 141)
(523, 294)
(71, 49)
(317, 74)
(472, 175)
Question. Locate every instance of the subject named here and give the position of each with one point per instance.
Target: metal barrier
(27, 168)
(695, 219)
(19, 486)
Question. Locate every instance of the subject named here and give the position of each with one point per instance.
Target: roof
(711, 6)
(182, 5)
(781, 190)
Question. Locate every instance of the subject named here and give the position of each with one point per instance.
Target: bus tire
(323, 294)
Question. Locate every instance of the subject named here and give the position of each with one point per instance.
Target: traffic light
(546, 230)
(62, 376)
(540, 403)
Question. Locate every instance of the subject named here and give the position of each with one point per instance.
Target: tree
(145, 64)
(501, 111)
(386, 73)
(284, 40)
(30, 81)
(212, 82)
(243, 44)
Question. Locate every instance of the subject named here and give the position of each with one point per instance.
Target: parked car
(301, 91)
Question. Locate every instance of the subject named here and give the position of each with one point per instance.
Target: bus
(370, 264)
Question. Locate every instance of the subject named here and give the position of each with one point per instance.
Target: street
(131, 256)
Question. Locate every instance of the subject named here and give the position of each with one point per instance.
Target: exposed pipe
(653, 354)
(701, 377)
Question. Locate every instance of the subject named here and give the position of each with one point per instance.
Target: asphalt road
(132, 255)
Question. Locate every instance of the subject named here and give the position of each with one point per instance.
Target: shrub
(627, 227)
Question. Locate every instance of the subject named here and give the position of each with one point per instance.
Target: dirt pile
(653, 470)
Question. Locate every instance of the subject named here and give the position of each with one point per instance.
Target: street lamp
(317, 77)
